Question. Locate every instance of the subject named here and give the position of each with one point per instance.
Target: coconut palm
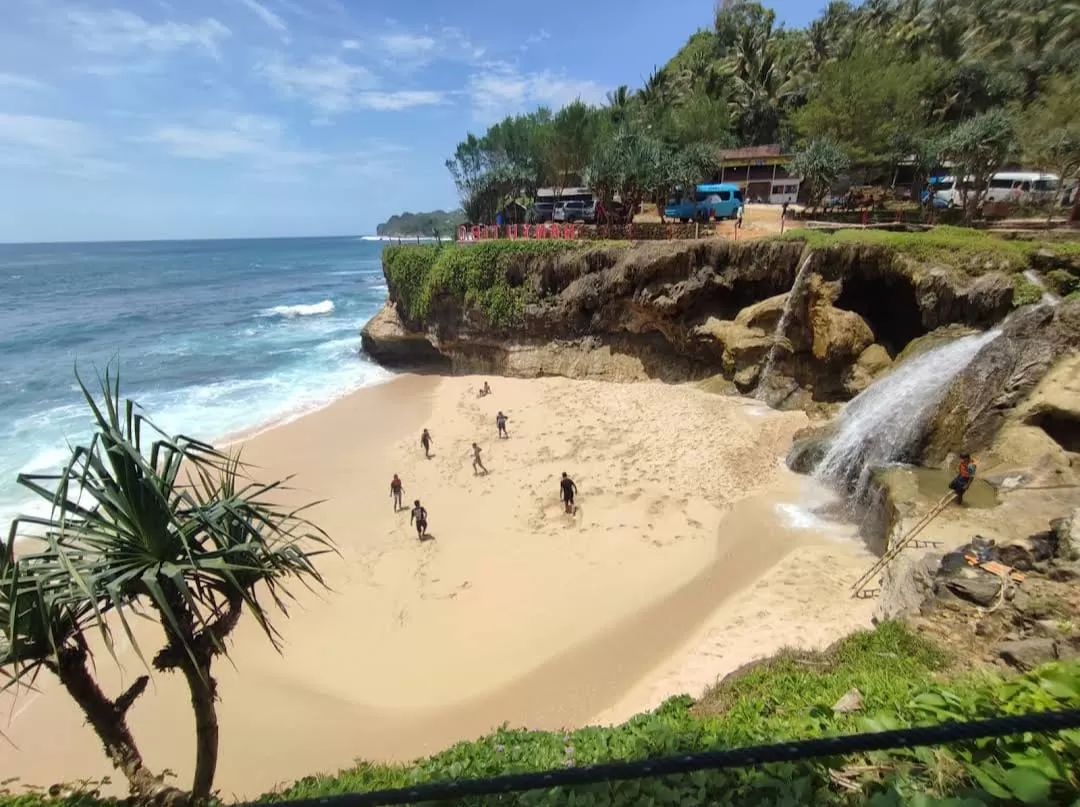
(166, 526)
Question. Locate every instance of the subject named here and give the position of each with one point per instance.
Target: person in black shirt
(425, 441)
(567, 489)
(419, 517)
(500, 424)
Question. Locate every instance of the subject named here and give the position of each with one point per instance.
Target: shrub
(1062, 281)
(1025, 292)
(478, 275)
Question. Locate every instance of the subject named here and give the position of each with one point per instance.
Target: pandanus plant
(168, 527)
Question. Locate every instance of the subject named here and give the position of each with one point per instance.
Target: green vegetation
(437, 223)
(129, 535)
(1063, 282)
(820, 162)
(958, 247)
(480, 275)
(1025, 292)
(957, 80)
(898, 673)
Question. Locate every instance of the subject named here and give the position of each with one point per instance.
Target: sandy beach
(690, 553)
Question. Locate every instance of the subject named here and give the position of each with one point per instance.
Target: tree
(568, 145)
(700, 118)
(820, 163)
(1052, 132)
(864, 102)
(168, 527)
(977, 148)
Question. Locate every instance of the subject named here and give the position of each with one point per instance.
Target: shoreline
(515, 612)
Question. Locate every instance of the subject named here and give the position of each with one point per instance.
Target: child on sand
(395, 492)
(500, 424)
(419, 517)
(425, 441)
(485, 390)
(567, 489)
(476, 461)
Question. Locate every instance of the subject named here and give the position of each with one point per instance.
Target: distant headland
(409, 224)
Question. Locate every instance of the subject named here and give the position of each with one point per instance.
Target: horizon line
(178, 238)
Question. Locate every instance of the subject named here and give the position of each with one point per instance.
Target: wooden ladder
(900, 545)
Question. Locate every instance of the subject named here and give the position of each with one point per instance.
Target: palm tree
(169, 526)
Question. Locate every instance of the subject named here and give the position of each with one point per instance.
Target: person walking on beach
(419, 517)
(476, 461)
(965, 474)
(567, 490)
(425, 441)
(500, 424)
(395, 492)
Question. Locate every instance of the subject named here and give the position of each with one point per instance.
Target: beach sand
(688, 556)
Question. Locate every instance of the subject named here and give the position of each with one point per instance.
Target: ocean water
(212, 338)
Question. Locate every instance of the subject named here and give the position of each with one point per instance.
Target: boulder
(1026, 654)
(838, 336)
(908, 586)
(764, 315)
(808, 447)
(386, 340)
(871, 363)
(982, 590)
(936, 338)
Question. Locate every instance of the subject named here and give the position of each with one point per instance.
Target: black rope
(1041, 722)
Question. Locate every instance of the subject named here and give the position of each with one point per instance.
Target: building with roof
(763, 173)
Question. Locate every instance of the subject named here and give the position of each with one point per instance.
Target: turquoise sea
(212, 337)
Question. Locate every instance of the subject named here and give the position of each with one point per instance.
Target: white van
(1005, 186)
(784, 190)
(1022, 186)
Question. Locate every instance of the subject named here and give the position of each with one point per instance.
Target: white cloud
(118, 30)
(332, 86)
(271, 19)
(327, 82)
(407, 45)
(399, 99)
(45, 134)
(535, 39)
(501, 89)
(17, 82)
(259, 144)
(58, 145)
(351, 44)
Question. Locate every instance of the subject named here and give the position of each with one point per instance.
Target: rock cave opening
(889, 306)
(1062, 427)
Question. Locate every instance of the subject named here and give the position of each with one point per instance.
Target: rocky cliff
(678, 311)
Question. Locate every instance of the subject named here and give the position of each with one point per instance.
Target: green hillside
(441, 221)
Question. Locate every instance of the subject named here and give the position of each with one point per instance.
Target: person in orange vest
(965, 474)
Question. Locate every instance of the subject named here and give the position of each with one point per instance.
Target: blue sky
(135, 119)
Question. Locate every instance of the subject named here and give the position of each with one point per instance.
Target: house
(761, 171)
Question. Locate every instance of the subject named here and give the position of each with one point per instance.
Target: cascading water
(1048, 297)
(785, 319)
(884, 423)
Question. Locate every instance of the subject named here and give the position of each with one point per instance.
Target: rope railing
(1041, 722)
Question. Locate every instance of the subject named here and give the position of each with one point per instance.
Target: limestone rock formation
(692, 309)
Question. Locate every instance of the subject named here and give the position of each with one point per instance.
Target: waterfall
(1048, 297)
(885, 423)
(784, 321)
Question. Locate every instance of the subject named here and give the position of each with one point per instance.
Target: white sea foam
(290, 311)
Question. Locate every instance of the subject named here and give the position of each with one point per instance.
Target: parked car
(539, 212)
(573, 210)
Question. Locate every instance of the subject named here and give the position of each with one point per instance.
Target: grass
(957, 247)
(901, 677)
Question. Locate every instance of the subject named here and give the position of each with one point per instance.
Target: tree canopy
(872, 77)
